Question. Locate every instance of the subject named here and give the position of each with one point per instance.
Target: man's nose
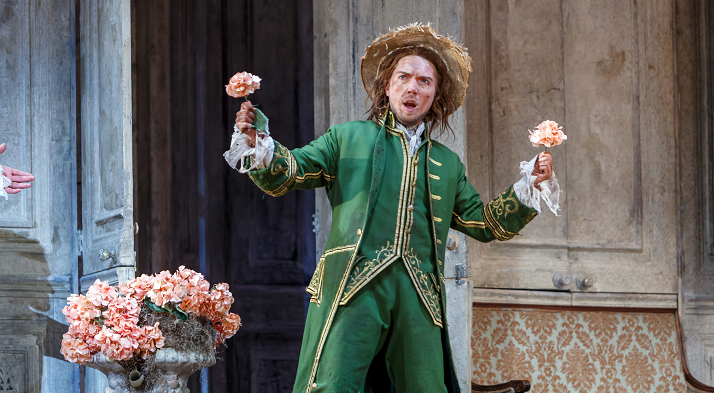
(412, 86)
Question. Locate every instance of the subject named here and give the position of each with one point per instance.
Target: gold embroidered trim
(431, 206)
(501, 206)
(315, 286)
(339, 249)
(300, 179)
(428, 291)
(435, 197)
(437, 219)
(360, 276)
(393, 131)
(403, 196)
(531, 217)
(468, 224)
(330, 317)
(498, 231)
(290, 171)
(412, 192)
(434, 161)
(434, 177)
(435, 281)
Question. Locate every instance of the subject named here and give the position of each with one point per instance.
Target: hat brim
(455, 57)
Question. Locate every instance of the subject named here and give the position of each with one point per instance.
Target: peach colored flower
(150, 340)
(116, 346)
(137, 287)
(166, 288)
(79, 308)
(74, 349)
(221, 298)
(100, 294)
(226, 327)
(242, 84)
(107, 318)
(122, 315)
(548, 133)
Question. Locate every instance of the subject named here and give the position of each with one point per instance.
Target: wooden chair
(514, 386)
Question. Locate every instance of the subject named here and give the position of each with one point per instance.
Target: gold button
(359, 232)
(415, 162)
(414, 183)
(409, 230)
(314, 386)
(411, 208)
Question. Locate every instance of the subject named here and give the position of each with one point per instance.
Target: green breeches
(383, 335)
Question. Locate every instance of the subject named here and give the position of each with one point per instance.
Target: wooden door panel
(15, 110)
(603, 70)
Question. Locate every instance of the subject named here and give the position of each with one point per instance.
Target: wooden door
(107, 181)
(604, 70)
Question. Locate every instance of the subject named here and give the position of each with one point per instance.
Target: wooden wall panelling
(151, 65)
(604, 71)
(38, 241)
(694, 133)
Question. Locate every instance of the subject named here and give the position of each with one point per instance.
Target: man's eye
(425, 81)
(402, 77)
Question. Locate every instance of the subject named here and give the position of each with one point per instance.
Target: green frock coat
(386, 206)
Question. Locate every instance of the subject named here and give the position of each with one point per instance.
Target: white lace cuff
(260, 156)
(531, 196)
(5, 183)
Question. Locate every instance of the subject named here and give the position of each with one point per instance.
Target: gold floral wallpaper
(577, 351)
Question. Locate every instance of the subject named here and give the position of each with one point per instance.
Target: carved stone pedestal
(175, 368)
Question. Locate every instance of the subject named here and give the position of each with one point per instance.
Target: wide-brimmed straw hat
(454, 55)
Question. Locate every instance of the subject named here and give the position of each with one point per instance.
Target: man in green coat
(377, 317)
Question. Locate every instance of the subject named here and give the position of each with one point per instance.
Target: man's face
(411, 89)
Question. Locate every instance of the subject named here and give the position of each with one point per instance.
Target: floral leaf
(153, 306)
(181, 314)
(261, 122)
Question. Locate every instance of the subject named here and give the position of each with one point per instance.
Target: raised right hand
(244, 120)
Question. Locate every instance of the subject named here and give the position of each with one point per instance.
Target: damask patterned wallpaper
(577, 351)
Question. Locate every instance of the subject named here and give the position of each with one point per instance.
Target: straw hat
(454, 55)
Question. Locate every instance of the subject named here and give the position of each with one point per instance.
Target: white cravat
(413, 133)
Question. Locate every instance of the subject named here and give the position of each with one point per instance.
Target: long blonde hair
(443, 105)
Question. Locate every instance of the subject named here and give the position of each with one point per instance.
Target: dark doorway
(191, 208)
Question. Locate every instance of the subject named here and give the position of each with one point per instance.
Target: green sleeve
(501, 219)
(312, 166)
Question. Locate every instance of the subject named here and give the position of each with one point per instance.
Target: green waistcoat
(386, 206)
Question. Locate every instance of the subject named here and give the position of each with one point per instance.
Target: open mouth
(410, 104)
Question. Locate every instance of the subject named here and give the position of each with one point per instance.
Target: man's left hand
(543, 169)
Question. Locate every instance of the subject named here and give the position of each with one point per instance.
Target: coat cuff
(276, 178)
(506, 215)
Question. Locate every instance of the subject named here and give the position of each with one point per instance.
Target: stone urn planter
(171, 371)
(151, 333)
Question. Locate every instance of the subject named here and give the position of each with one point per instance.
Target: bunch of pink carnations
(107, 319)
(548, 134)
